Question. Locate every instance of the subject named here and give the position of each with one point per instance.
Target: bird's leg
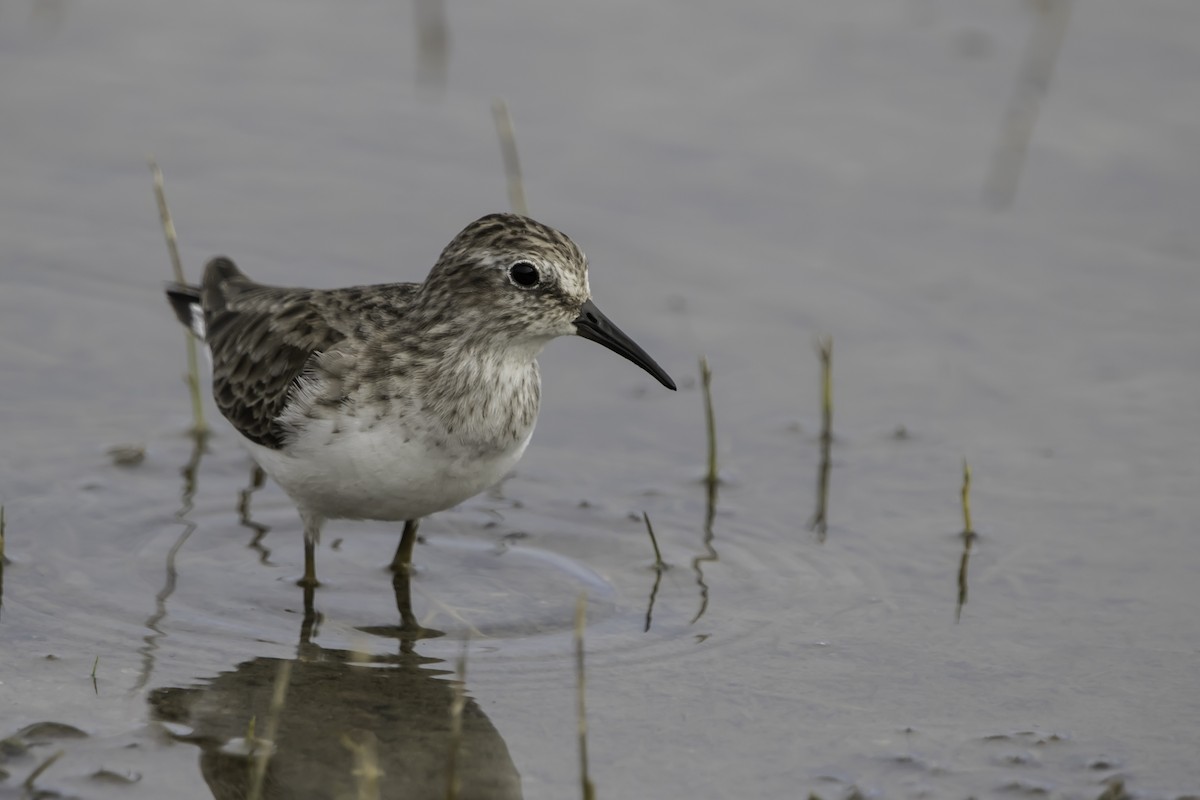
(312, 535)
(308, 626)
(402, 589)
(402, 561)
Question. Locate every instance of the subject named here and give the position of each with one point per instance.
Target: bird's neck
(486, 395)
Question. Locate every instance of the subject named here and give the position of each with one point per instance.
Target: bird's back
(263, 339)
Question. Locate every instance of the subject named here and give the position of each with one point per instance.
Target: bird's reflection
(401, 703)
(408, 631)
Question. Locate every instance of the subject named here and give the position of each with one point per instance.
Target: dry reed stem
(457, 706)
(968, 537)
(825, 351)
(42, 767)
(199, 426)
(261, 756)
(819, 521)
(710, 420)
(366, 772)
(508, 150)
(966, 500)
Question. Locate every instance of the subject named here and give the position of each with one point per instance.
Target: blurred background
(989, 205)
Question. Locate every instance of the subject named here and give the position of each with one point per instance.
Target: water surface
(744, 178)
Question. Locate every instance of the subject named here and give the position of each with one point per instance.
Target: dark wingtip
(182, 297)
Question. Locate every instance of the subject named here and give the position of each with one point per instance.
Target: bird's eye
(524, 274)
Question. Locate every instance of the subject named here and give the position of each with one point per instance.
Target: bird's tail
(185, 300)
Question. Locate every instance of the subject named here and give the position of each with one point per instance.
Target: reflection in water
(310, 624)
(409, 630)
(968, 538)
(457, 706)
(258, 477)
(710, 552)
(189, 472)
(658, 573)
(3, 558)
(154, 621)
(711, 479)
(589, 789)
(818, 521)
(660, 567)
(260, 750)
(340, 706)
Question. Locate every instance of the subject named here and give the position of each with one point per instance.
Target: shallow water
(744, 177)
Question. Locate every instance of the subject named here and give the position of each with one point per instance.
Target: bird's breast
(390, 468)
(404, 446)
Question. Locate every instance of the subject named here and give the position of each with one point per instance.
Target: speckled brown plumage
(265, 337)
(397, 400)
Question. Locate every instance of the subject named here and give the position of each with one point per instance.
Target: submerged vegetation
(659, 568)
(968, 539)
(261, 750)
(819, 520)
(587, 789)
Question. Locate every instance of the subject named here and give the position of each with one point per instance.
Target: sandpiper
(395, 401)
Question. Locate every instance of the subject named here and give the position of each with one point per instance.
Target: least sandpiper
(398, 400)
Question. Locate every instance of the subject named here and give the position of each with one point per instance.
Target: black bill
(591, 324)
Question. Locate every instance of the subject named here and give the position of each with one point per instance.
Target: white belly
(374, 473)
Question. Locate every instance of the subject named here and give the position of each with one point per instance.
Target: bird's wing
(262, 340)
